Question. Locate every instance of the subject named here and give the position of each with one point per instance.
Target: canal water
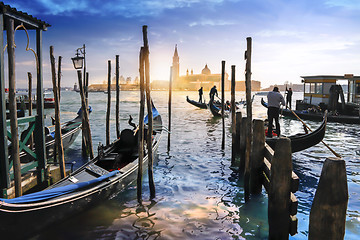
(197, 195)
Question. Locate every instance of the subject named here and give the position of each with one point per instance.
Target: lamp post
(80, 63)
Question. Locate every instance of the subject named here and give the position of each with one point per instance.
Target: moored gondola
(101, 178)
(314, 115)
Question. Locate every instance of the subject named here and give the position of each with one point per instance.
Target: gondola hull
(84, 188)
(306, 115)
(197, 104)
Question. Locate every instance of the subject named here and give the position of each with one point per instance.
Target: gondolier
(201, 92)
(274, 100)
(288, 93)
(213, 92)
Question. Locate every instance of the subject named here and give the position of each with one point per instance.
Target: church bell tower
(175, 67)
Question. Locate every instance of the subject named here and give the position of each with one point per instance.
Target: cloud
(280, 33)
(210, 22)
(123, 8)
(348, 4)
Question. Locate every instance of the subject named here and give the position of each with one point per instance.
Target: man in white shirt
(274, 100)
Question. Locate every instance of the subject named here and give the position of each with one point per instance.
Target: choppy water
(198, 196)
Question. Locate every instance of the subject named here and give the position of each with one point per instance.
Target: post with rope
(150, 115)
(249, 118)
(141, 127)
(58, 140)
(108, 105)
(222, 103)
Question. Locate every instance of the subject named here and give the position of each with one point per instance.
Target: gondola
(301, 142)
(100, 179)
(216, 111)
(318, 116)
(195, 103)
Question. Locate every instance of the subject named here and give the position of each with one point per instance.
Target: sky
(290, 38)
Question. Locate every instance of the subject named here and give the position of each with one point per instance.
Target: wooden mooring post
(279, 190)
(85, 112)
(141, 125)
(150, 115)
(58, 140)
(242, 143)
(108, 105)
(117, 111)
(12, 106)
(328, 211)
(236, 142)
(223, 103)
(169, 109)
(249, 118)
(257, 157)
(31, 140)
(233, 117)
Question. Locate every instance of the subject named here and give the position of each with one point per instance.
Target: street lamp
(78, 61)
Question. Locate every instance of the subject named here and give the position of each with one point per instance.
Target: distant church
(194, 81)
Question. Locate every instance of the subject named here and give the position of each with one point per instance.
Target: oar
(335, 153)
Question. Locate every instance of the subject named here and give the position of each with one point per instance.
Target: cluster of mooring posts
(260, 165)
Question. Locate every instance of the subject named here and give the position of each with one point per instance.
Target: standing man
(200, 94)
(274, 100)
(288, 97)
(213, 92)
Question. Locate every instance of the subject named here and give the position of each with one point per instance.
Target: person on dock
(201, 92)
(213, 92)
(274, 100)
(288, 93)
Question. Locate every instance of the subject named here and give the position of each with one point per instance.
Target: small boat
(195, 103)
(317, 115)
(100, 179)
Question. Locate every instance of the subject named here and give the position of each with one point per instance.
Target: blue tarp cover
(55, 192)
(155, 114)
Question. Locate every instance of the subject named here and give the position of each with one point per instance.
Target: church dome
(206, 70)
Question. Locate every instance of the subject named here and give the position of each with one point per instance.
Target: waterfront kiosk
(12, 20)
(317, 88)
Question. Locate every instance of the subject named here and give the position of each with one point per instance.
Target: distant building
(205, 79)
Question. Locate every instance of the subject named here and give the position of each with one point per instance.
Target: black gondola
(301, 142)
(195, 103)
(101, 178)
(318, 116)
